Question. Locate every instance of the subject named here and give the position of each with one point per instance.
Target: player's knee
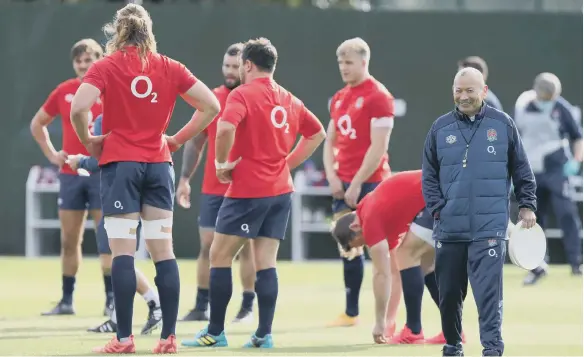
(70, 247)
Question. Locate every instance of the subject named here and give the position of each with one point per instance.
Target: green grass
(543, 320)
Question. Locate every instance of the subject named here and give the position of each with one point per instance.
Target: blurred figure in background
(477, 62)
(553, 142)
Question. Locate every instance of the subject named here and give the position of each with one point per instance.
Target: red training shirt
(268, 119)
(138, 103)
(355, 112)
(59, 103)
(387, 211)
(211, 185)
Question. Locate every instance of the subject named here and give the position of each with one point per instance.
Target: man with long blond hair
(139, 88)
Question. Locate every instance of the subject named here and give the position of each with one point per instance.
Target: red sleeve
(94, 77)
(309, 124)
(235, 108)
(51, 105)
(184, 78)
(373, 231)
(381, 106)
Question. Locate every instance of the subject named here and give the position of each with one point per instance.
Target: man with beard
(212, 194)
(470, 156)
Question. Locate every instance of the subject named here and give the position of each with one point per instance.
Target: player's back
(264, 138)
(139, 98)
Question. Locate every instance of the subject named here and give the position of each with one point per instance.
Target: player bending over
(212, 194)
(77, 194)
(139, 89)
(142, 287)
(257, 131)
(381, 217)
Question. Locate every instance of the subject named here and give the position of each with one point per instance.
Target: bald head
(470, 75)
(469, 90)
(547, 86)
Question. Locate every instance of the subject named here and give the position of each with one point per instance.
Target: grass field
(544, 320)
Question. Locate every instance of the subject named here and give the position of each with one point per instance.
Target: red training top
(138, 102)
(268, 119)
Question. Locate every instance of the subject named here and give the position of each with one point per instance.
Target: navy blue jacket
(472, 203)
(90, 163)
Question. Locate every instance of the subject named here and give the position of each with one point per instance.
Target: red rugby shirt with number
(211, 185)
(138, 102)
(356, 111)
(268, 119)
(59, 103)
(387, 211)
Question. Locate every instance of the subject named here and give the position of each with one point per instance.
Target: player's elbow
(211, 106)
(225, 128)
(319, 137)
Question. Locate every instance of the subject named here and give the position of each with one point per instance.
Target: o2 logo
(148, 91)
(346, 127)
(283, 122)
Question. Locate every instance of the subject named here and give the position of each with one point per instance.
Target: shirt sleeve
(309, 123)
(94, 77)
(235, 108)
(572, 128)
(51, 105)
(382, 111)
(373, 231)
(184, 78)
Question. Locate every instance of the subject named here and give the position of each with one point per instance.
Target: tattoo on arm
(192, 155)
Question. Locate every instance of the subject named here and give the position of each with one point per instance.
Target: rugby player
(255, 136)
(355, 153)
(77, 194)
(210, 200)
(150, 295)
(139, 89)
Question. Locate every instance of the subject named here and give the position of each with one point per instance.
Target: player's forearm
(304, 149)
(192, 156)
(224, 141)
(382, 292)
(328, 158)
(578, 150)
(199, 121)
(370, 163)
(80, 124)
(41, 136)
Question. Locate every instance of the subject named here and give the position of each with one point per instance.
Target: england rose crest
(491, 135)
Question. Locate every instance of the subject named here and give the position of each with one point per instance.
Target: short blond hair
(86, 45)
(356, 45)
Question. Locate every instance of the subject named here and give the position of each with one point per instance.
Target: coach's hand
(352, 195)
(336, 186)
(224, 173)
(59, 159)
(183, 193)
(94, 145)
(527, 218)
(379, 334)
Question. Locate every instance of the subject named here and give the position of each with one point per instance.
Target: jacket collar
(461, 116)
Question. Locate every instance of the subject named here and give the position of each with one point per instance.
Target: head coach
(470, 156)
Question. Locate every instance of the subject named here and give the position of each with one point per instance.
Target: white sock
(152, 295)
(114, 318)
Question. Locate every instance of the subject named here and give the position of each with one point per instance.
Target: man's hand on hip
(527, 217)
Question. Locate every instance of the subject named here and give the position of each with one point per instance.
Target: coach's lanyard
(464, 159)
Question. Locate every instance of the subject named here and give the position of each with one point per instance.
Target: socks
(247, 302)
(124, 284)
(430, 280)
(151, 295)
(107, 283)
(114, 317)
(68, 285)
(267, 290)
(202, 302)
(220, 291)
(413, 287)
(353, 273)
(168, 283)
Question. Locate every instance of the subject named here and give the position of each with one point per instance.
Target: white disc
(527, 247)
(82, 172)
